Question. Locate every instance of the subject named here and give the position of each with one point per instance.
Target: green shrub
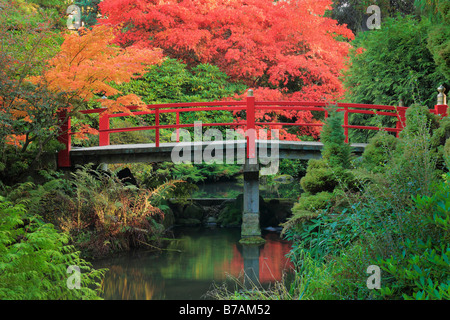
(319, 177)
(313, 202)
(414, 168)
(318, 180)
(446, 153)
(379, 151)
(417, 118)
(335, 151)
(422, 270)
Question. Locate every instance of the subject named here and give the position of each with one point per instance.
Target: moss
(252, 241)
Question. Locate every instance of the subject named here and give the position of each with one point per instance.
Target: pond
(197, 259)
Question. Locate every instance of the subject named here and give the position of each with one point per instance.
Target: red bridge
(157, 151)
(250, 147)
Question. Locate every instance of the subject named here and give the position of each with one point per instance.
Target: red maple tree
(286, 47)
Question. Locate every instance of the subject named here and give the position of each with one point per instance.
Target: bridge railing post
(178, 128)
(103, 125)
(346, 123)
(65, 138)
(401, 119)
(441, 106)
(251, 133)
(157, 126)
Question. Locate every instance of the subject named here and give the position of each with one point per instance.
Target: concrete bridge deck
(231, 150)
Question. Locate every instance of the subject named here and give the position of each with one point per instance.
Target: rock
(169, 218)
(126, 176)
(252, 241)
(193, 211)
(211, 220)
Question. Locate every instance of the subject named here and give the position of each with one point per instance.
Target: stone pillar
(250, 214)
(251, 266)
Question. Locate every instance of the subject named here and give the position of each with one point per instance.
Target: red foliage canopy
(283, 46)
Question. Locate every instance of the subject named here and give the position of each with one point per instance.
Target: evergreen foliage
(389, 65)
(439, 39)
(379, 151)
(335, 151)
(395, 64)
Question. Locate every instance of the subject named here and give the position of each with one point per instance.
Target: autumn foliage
(284, 49)
(88, 63)
(287, 44)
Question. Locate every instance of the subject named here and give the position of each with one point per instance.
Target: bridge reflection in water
(192, 264)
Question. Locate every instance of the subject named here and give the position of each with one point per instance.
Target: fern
(34, 258)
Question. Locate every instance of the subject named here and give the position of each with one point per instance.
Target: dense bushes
(101, 213)
(398, 220)
(422, 270)
(379, 151)
(390, 64)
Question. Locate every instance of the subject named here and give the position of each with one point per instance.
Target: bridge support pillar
(250, 216)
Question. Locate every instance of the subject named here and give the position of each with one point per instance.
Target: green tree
(335, 151)
(439, 39)
(354, 12)
(390, 64)
(89, 11)
(173, 82)
(394, 63)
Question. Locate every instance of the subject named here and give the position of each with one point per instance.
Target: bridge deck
(230, 149)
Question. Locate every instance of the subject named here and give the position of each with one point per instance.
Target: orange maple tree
(286, 48)
(87, 64)
(83, 69)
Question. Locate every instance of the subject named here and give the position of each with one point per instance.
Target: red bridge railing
(250, 106)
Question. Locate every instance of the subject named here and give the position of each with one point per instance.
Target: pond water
(197, 259)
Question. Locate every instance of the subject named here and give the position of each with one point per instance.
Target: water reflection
(190, 265)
